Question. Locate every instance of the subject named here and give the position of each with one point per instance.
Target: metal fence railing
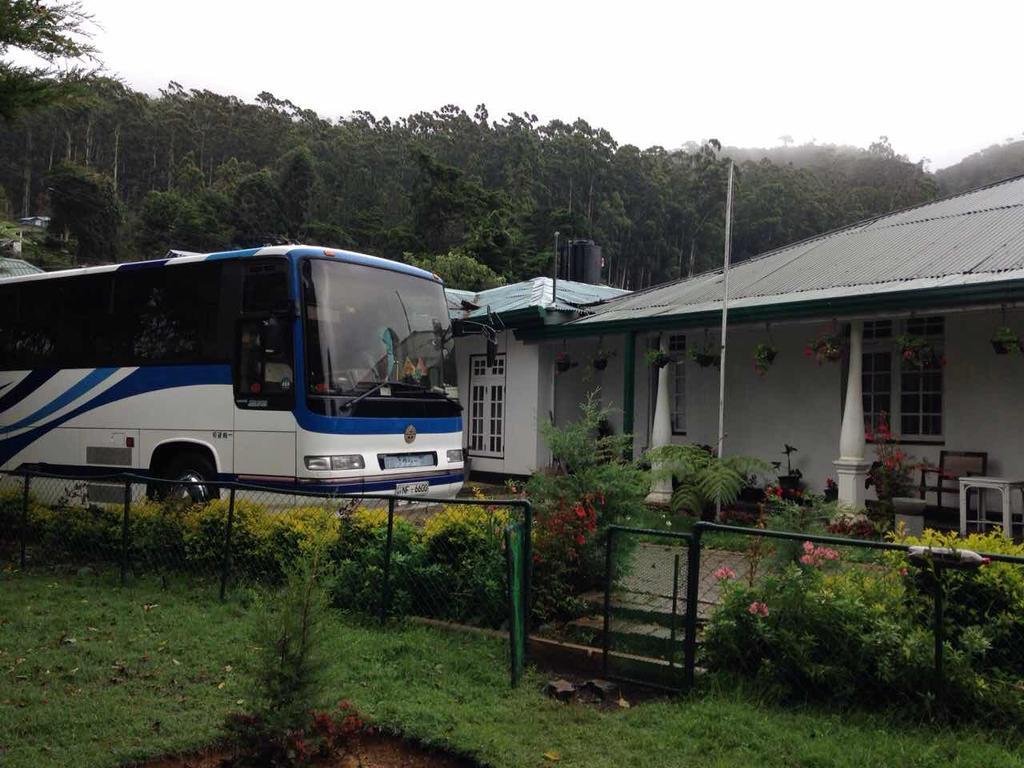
(935, 628)
(393, 556)
(645, 605)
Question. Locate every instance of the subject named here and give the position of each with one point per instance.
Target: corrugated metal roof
(16, 268)
(539, 292)
(975, 237)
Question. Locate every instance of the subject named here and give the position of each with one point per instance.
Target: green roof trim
(982, 294)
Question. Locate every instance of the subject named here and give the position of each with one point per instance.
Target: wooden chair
(952, 466)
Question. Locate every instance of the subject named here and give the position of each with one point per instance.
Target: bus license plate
(407, 460)
(412, 489)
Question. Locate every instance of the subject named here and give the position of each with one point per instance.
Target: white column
(661, 430)
(851, 467)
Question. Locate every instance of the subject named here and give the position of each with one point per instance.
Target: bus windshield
(365, 326)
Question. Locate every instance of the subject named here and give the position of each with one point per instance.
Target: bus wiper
(371, 391)
(390, 382)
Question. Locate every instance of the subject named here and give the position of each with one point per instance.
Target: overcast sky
(940, 80)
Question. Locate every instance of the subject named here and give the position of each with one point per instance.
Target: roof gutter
(897, 301)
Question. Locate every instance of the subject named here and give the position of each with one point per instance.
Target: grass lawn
(93, 674)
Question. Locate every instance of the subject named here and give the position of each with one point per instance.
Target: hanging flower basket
(658, 359)
(918, 352)
(764, 356)
(827, 348)
(563, 362)
(600, 361)
(1005, 340)
(705, 359)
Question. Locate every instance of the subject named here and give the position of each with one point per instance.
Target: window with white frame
(487, 407)
(909, 394)
(677, 349)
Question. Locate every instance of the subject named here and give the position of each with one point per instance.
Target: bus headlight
(327, 463)
(454, 455)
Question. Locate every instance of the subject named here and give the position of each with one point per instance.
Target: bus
(282, 366)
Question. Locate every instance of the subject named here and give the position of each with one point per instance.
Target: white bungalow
(948, 274)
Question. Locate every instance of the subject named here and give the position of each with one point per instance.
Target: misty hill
(993, 163)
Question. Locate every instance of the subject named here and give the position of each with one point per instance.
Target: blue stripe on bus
(138, 382)
(87, 383)
(26, 387)
(369, 425)
(133, 265)
(221, 255)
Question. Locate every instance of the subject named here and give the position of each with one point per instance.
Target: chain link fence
(393, 557)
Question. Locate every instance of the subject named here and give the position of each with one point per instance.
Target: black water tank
(580, 261)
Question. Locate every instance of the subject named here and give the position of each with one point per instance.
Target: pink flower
(724, 573)
(904, 571)
(757, 608)
(815, 556)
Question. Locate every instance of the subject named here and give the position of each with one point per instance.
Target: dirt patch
(380, 751)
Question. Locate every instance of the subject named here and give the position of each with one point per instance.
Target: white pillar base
(850, 477)
(661, 492)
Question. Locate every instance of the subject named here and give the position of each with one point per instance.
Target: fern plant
(702, 479)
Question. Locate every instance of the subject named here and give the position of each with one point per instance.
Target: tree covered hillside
(127, 175)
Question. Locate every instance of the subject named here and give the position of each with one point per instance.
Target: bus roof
(288, 251)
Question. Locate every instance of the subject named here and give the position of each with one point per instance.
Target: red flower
(581, 539)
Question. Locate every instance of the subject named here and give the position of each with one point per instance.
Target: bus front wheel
(188, 476)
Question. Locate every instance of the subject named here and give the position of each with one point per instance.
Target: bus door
(264, 434)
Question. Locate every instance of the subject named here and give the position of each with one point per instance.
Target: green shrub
(845, 634)
(588, 487)
(453, 568)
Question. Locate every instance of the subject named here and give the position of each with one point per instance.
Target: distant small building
(39, 222)
(505, 401)
(16, 268)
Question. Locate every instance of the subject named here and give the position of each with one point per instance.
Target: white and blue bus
(283, 366)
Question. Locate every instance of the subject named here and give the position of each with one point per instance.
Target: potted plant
(704, 357)
(764, 356)
(658, 359)
(789, 482)
(831, 489)
(891, 476)
(826, 348)
(600, 359)
(918, 352)
(1005, 340)
(563, 362)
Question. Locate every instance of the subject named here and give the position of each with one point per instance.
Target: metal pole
(24, 520)
(527, 567)
(554, 276)
(124, 531)
(385, 603)
(940, 634)
(225, 570)
(690, 626)
(725, 324)
(607, 635)
(672, 626)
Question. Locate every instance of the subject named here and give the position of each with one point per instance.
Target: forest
(127, 176)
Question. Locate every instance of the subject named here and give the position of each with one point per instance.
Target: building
(16, 268)
(948, 275)
(504, 400)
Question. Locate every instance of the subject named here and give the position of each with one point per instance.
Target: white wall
(522, 387)
(800, 402)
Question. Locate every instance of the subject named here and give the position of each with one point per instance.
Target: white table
(1005, 486)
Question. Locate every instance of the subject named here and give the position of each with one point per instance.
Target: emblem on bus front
(410, 433)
